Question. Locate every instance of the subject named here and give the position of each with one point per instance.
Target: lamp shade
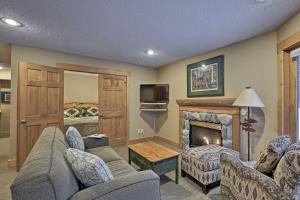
(248, 98)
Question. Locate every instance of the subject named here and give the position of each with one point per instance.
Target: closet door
(113, 108)
(40, 104)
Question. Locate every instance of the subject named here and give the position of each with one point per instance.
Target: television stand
(143, 103)
(153, 107)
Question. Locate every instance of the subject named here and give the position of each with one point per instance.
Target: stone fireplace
(208, 121)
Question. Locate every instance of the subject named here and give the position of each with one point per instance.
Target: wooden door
(40, 104)
(113, 108)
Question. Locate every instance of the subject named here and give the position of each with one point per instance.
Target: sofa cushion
(46, 174)
(74, 138)
(88, 168)
(106, 153)
(272, 154)
(287, 173)
(120, 168)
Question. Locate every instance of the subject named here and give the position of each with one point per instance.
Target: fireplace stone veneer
(224, 119)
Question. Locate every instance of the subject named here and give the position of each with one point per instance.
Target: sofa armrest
(90, 143)
(239, 181)
(141, 185)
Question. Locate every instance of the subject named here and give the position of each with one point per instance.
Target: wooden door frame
(98, 70)
(286, 86)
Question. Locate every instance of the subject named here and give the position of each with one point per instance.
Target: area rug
(171, 191)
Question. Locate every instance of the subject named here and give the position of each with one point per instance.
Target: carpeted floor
(6, 175)
(185, 190)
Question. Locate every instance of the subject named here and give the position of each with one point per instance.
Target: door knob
(23, 121)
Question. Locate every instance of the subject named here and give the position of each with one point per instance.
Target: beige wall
(5, 74)
(80, 87)
(288, 28)
(139, 75)
(5, 53)
(251, 62)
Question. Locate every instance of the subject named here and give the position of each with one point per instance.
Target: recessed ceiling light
(150, 52)
(11, 22)
(1, 67)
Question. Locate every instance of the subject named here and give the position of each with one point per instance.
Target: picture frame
(206, 78)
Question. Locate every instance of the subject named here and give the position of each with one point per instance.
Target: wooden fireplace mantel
(212, 105)
(215, 102)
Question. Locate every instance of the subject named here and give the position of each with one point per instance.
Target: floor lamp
(248, 98)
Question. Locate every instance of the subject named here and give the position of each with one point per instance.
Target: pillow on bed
(91, 111)
(74, 138)
(72, 112)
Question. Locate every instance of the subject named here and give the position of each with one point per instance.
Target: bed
(83, 116)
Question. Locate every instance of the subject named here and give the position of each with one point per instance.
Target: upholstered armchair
(239, 180)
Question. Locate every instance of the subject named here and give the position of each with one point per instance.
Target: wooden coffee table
(150, 155)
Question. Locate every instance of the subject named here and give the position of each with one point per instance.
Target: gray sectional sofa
(46, 175)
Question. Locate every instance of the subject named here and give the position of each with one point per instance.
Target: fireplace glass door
(200, 136)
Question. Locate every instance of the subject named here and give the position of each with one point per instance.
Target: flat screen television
(154, 93)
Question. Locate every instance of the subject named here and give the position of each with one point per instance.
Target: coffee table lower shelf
(160, 168)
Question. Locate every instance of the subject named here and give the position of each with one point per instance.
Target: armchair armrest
(141, 185)
(90, 143)
(239, 181)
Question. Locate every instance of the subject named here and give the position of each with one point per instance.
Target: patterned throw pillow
(92, 111)
(81, 112)
(295, 146)
(272, 154)
(287, 174)
(74, 138)
(71, 112)
(88, 168)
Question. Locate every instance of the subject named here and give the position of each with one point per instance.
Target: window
(296, 58)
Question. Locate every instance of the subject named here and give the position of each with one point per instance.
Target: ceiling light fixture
(1, 67)
(150, 52)
(11, 22)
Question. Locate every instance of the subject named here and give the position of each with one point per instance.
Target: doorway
(113, 93)
(41, 89)
(81, 102)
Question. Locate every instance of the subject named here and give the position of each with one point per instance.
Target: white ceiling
(122, 30)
